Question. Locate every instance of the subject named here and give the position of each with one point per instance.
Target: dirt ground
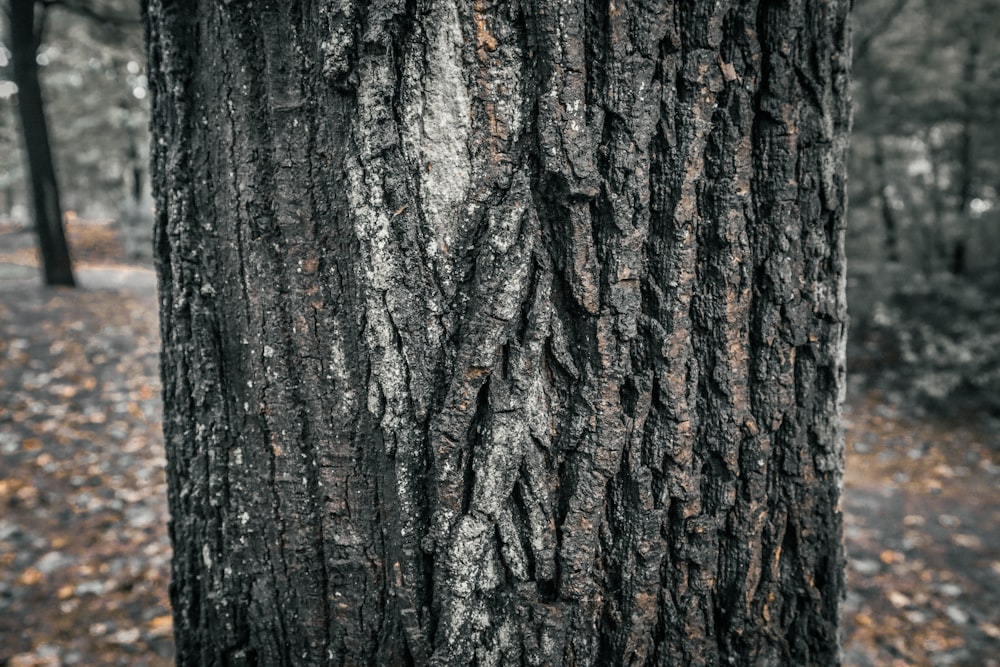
(84, 555)
(921, 513)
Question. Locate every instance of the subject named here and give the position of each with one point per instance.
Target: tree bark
(502, 333)
(57, 267)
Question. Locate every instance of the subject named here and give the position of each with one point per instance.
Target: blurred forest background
(91, 64)
(924, 223)
(84, 557)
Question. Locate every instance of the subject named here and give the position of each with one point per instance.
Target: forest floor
(84, 554)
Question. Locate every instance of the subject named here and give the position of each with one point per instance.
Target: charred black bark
(57, 267)
(501, 333)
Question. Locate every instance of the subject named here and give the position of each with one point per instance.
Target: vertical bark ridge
(801, 316)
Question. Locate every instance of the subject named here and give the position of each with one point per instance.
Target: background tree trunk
(25, 36)
(886, 203)
(502, 333)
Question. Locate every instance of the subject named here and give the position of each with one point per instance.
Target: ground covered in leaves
(84, 557)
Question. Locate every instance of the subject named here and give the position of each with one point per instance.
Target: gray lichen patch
(337, 46)
(436, 128)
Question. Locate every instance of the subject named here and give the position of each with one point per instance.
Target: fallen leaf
(967, 541)
(897, 599)
(889, 557)
(30, 577)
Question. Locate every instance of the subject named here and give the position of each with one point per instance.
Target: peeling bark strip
(502, 332)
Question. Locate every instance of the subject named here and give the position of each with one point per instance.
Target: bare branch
(863, 46)
(84, 9)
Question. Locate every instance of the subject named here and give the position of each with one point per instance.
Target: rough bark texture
(57, 268)
(502, 333)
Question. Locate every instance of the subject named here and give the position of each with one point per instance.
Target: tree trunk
(135, 184)
(937, 238)
(57, 268)
(966, 154)
(885, 193)
(502, 333)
